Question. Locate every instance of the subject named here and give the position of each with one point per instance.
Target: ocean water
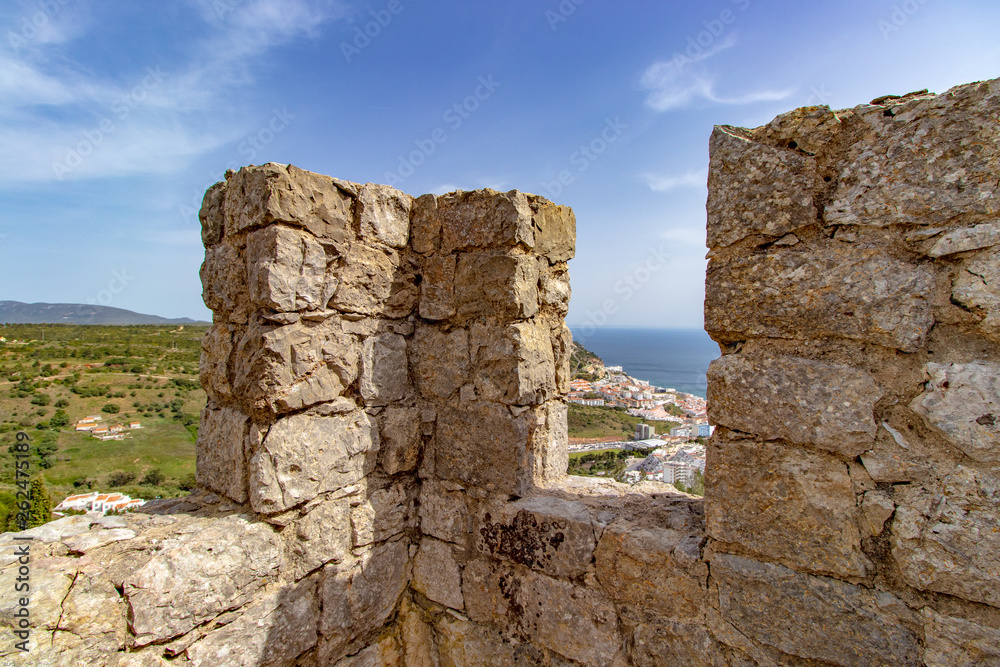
(675, 358)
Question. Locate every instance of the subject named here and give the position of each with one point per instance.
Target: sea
(676, 358)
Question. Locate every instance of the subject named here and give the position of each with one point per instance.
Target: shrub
(188, 482)
(110, 408)
(120, 478)
(62, 403)
(41, 399)
(153, 478)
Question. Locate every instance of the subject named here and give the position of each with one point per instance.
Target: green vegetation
(51, 376)
(604, 462)
(584, 364)
(697, 487)
(587, 421)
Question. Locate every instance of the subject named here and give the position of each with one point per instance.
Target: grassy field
(586, 421)
(53, 375)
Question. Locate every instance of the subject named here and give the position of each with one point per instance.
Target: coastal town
(670, 437)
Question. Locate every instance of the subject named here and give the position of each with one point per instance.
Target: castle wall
(383, 453)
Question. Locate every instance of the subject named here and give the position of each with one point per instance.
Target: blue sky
(115, 116)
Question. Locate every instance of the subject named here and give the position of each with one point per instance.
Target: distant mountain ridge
(15, 312)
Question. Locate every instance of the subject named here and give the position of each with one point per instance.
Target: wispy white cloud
(692, 179)
(54, 109)
(684, 80)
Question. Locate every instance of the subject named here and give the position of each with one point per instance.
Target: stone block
(815, 618)
(485, 446)
(272, 632)
(224, 283)
(549, 447)
(303, 456)
(358, 601)
(933, 157)
(464, 644)
(562, 351)
(947, 539)
(513, 364)
(553, 289)
(386, 513)
(222, 451)
(367, 275)
(958, 642)
(440, 360)
(976, 288)
(196, 576)
(385, 376)
(425, 225)
(650, 571)
(754, 188)
(965, 239)
(963, 402)
(213, 365)
(444, 513)
(437, 287)
(384, 212)
(286, 270)
(436, 574)
(555, 230)
(257, 196)
(790, 505)
(501, 286)
(322, 536)
(212, 214)
(777, 397)
(484, 219)
(400, 446)
(576, 622)
(827, 288)
(544, 533)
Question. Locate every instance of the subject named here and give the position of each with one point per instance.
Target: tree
(62, 403)
(120, 478)
(59, 419)
(110, 408)
(41, 503)
(188, 482)
(153, 478)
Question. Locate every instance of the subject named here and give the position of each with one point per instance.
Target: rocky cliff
(383, 454)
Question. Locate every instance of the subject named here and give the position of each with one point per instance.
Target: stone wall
(853, 482)
(383, 453)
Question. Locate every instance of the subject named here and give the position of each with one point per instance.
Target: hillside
(584, 363)
(16, 312)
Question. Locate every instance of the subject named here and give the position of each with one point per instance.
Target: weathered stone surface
(513, 365)
(84, 542)
(386, 513)
(212, 215)
(578, 623)
(548, 447)
(496, 285)
(322, 536)
(443, 513)
(876, 509)
(385, 375)
(366, 280)
(416, 634)
(257, 196)
(483, 219)
(383, 653)
(963, 402)
(484, 445)
(400, 446)
(464, 644)
(978, 287)
(425, 225)
(827, 289)
(653, 571)
(966, 238)
(787, 504)
(385, 214)
(269, 633)
(956, 641)
(303, 456)
(555, 230)
(545, 533)
(213, 366)
(440, 360)
(359, 600)
(933, 157)
(222, 452)
(947, 539)
(437, 288)
(197, 576)
(775, 396)
(436, 574)
(224, 283)
(782, 608)
(286, 270)
(756, 189)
